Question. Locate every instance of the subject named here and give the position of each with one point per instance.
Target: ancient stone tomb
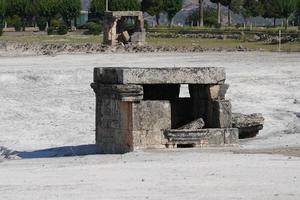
(124, 27)
(139, 108)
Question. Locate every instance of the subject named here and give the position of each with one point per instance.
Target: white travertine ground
(46, 102)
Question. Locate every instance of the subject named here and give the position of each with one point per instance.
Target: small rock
(248, 125)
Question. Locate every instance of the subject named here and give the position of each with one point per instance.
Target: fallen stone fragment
(248, 125)
(194, 125)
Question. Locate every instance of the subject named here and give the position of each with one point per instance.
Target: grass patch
(219, 43)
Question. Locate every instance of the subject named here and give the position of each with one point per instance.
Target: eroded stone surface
(197, 75)
(248, 125)
(194, 125)
(203, 137)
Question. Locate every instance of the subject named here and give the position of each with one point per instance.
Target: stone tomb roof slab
(162, 75)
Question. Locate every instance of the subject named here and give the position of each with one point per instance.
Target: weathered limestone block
(113, 126)
(138, 38)
(200, 75)
(125, 37)
(219, 115)
(218, 91)
(120, 92)
(202, 137)
(202, 98)
(150, 119)
(248, 125)
(194, 125)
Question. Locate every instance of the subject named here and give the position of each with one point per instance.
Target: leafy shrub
(42, 23)
(55, 23)
(50, 30)
(93, 28)
(62, 30)
(16, 22)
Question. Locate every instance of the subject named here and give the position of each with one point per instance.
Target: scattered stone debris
(248, 125)
(37, 48)
(194, 125)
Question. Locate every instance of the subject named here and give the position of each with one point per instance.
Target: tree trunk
(201, 13)
(229, 16)
(219, 12)
(245, 22)
(286, 23)
(157, 19)
(274, 22)
(23, 24)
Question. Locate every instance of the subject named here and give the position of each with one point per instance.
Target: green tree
(121, 5)
(210, 17)
(251, 8)
(69, 10)
(297, 15)
(234, 6)
(2, 14)
(97, 9)
(218, 2)
(172, 7)
(153, 8)
(48, 9)
(270, 10)
(26, 9)
(285, 8)
(2, 9)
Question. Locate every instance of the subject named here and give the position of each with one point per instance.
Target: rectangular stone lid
(174, 75)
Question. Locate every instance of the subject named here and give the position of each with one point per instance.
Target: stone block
(125, 37)
(231, 136)
(248, 125)
(218, 91)
(119, 92)
(138, 38)
(219, 114)
(202, 137)
(194, 125)
(174, 75)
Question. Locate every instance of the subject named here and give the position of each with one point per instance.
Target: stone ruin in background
(138, 108)
(115, 29)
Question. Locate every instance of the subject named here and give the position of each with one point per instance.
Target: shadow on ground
(80, 150)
